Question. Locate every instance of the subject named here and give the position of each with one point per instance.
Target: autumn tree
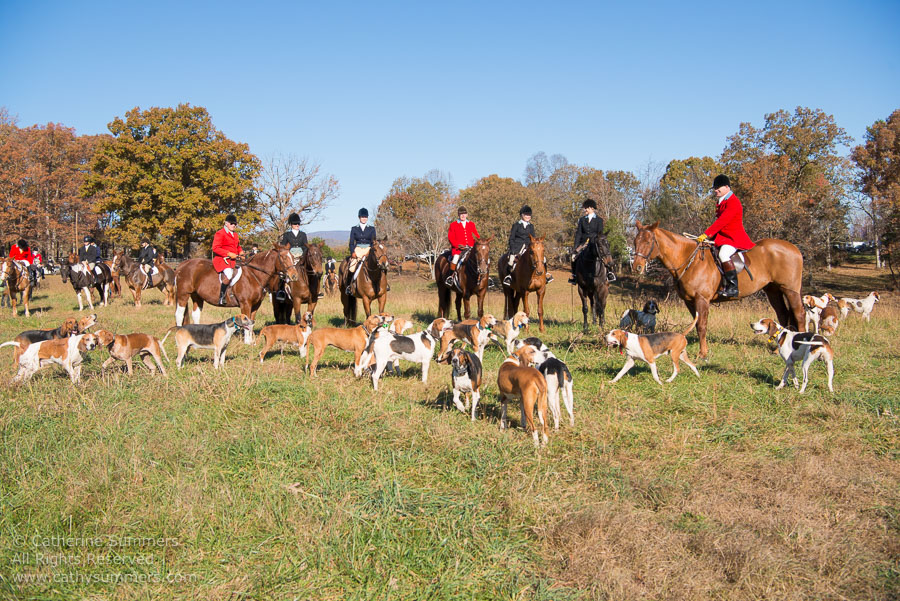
(684, 203)
(792, 179)
(168, 172)
(556, 203)
(289, 184)
(878, 177)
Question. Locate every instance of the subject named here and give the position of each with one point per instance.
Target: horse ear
(655, 225)
(489, 239)
(637, 224)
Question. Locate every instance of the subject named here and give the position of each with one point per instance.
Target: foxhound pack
(793, 347)
(214, 336)
(518, 381)
(61, 351)
(649, 347)
(292, 334)
(122, 347)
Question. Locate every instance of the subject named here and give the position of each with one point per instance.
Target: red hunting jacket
(461, 236)
(18, 254)
(728, 228)
(223, 243)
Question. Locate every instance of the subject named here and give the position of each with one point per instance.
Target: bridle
(649, 254)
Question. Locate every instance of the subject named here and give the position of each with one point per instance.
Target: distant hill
(333, 238)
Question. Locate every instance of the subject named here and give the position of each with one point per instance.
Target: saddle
(740, 262)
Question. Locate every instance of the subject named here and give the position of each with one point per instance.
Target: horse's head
(483, 255)
(314, 258)
(117, 261)
(284, 262)
(380, 255)
(645, 246)
(537, 254)
(602, 247)
(5, 269)
(65, 271)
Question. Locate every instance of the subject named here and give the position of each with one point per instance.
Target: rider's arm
(579, 233)
(732, 212)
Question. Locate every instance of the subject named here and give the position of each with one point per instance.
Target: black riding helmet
(22, 244)
(231, 219)
(721, 180)
(363, 212)
(294, 219)
(88, 239)
(525, 210)
(589, 203)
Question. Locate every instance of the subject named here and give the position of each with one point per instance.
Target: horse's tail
(169, 331)
(691, 327)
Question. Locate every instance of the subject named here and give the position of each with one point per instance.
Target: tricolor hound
(419, 348)
(650, 346)
(465, 376)
(69, 326)
(508, 330)
(470, 331)
(559, 381)
(793, 347)
(215, 336)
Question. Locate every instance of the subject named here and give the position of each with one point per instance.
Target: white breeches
(229, 272)
(455, 259)
(725, 252)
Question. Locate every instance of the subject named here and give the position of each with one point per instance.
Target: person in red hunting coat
(462, 235)
(226, 247)
(727, 232)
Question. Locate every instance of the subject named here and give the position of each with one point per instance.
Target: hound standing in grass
(559, 382)
(864, 306)
(518, 381)
(793, 347)
(465, 377)
(419, 348)
(215, 336)
(61, 351)
(650, 347)
(293, 334)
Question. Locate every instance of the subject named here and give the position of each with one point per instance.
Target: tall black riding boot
(730, 288)
(222, 289)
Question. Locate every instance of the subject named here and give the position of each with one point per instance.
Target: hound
(465, 377)
(508, 330)
(535, 342)
(829, 320)
(353, 340)
(517, 380)
(793, 347)
(215, 336)
(418, 348)
(814, 306)
(470, 331)
(62, 351)
(649, 347)
(400, 325)
(641, 321)
(122, 347)
(864, 306)
(559, 381)
(294, 334)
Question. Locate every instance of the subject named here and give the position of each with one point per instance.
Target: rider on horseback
(89, 255)
(147, 261)
(226, 247)
(298, 246)
(589, 229)
(519, 240)
(21, 254)
(461, 235)
(362, 237)
(727, 232)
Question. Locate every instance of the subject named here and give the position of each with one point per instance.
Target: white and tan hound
(650, 346)
(863, 306)
(797, 346)
(814, 305)
(518, 381)
(61, 351)
(507, 330)
(471, 331)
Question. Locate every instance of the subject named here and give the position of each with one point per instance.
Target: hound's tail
(169, 331)
(691, 327)
(11, 343)
(163, 349)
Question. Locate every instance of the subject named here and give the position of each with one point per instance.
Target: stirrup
(507, 281)
(348, 291)
(449, 281)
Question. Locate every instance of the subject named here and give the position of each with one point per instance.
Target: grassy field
(257, 482)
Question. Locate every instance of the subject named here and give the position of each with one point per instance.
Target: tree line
(169, 175)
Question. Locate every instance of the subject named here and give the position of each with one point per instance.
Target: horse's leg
(197, 310)
(540, 303)
(25, 299)
(584, 310)
(382, 302)
(776, 299)
(481, 294)
(250, 312)
(796, 308)
(367, 305)
(90, 297)
(458, 303)
(702, 308)
(136, 293)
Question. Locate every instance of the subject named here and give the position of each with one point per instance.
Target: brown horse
(591, 267)
(473, 279)
(304, 290)
(197, 280)
(14, 278)
(115, 285)
(776, 267)
(371, 283)
(135, 278)
(331, 283)
(529, 275)
(82, 281)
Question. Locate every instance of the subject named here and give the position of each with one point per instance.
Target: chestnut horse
(529, 275)
(591, 266)
(371, 283)
(473, 279)
(776, 267)
(115, 285)
(331, 283)
(197, 280)
(304, 290)
(164, 280)
(14, 277)
(82, 281)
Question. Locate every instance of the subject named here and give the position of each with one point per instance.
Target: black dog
(640, 322)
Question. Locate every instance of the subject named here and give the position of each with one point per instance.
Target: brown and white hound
(61, 351)
(517, 380)
(650, 346)
(471, 331)
(863, 306)
(69, 326)
(797, 346)
(507, 330)
(353, 340)
(292, 334)
(123, 347)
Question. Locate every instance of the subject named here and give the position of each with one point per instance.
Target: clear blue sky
(377, 90)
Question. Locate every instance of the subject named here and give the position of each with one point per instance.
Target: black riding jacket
(519, 237)
(147, 256)
(358, 236)
(298, 241)
(588, 230)
(91, 254)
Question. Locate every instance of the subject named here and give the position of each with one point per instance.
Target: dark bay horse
(135, 279)
(83, 280)
(197, 280)
(776, 266)
(14, 278)
(371, 284)
(529, 275)
(304, 290)
(473, 279)
(591, 267)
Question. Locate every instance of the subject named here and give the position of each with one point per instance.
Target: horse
(115, 286)
(529, 275)
(304, 290)
(591, 267)
(135, 278)
(330, 285)
(197, 280)
(371, 284)
(83, 280)
(775, 266)
(14, 277)
(472, 276)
